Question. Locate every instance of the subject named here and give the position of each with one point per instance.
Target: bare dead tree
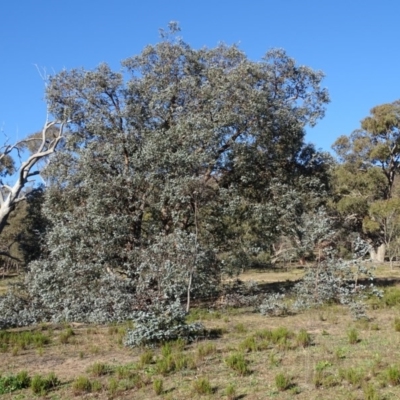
(47, 143)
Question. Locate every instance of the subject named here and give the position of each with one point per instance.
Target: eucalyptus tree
(163, 162)
(40, 147)
(369, 164)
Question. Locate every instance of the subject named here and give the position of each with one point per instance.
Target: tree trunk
(377, 254)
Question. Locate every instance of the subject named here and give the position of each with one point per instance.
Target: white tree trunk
(11, 195)
(377, 254)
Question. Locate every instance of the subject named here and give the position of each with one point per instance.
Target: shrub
(334, 280)
(161, 323)
(273, 305)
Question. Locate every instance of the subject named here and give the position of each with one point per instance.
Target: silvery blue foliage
(170, 262)
(334, 280)
(273, 305)
(161, 323)
(177, 159)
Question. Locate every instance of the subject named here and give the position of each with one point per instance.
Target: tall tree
(370, 160)
(159, 160)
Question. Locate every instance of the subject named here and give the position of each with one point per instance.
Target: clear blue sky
(355, 42)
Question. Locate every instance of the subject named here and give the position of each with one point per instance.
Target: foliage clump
(162, 323)
(337, 281)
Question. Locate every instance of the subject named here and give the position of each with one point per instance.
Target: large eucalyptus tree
(168, 164)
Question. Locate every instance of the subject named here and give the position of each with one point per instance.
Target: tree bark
(377, 254)
(10, 196)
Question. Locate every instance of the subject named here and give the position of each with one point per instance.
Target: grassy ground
(321, 354)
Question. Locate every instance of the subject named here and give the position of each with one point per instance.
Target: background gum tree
(169, 175)
(369, 165)
(16, 218)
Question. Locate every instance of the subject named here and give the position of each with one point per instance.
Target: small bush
(324, 379)
(202, 386)
(238, 363)
(274, 305)
(161, 323)
(321, 377)
(281, 337)
(97, 386)
(124, 371)
(263, 334)
(283, 382)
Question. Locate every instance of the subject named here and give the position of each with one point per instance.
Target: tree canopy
(172, 171)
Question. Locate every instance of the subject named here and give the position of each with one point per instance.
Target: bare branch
(47, 147)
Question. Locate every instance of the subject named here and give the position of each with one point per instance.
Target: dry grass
(325, 366)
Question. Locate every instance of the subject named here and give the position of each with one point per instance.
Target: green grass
(253, 357)
(82, 384)
(283, 382)
(202, 386)
(11, 383)
(99, 369)
(158, 386)
(23, 340)
(353, 336)
(42, 385)
(238, 363)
